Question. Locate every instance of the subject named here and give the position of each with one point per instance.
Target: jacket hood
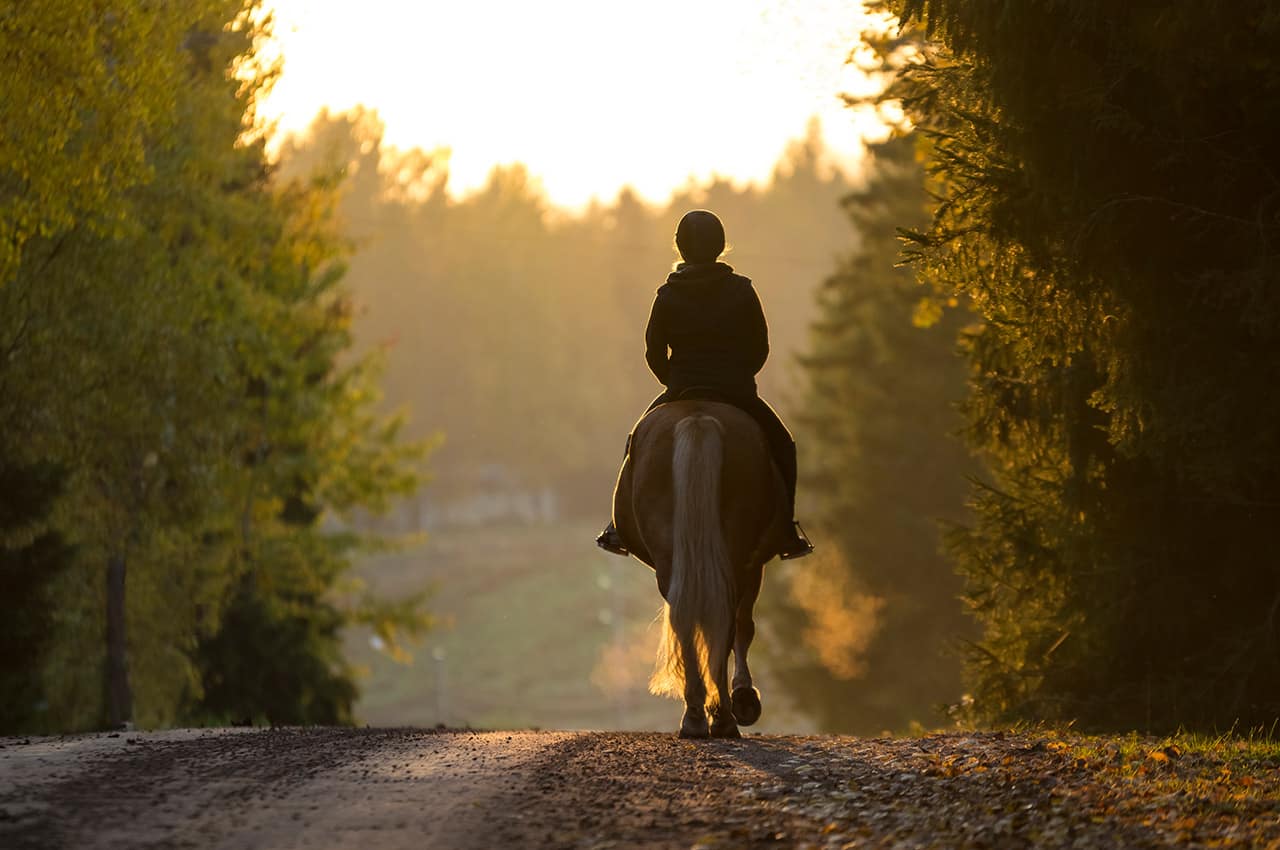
(699, 272)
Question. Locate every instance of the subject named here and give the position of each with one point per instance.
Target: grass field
(538, 628)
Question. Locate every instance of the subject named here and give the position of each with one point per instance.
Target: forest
(179, 406)
(1027, 346)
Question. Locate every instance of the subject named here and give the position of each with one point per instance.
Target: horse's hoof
(727, 729)
(746, 705)
(694, 726)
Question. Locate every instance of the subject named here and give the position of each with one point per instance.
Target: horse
(700, 500)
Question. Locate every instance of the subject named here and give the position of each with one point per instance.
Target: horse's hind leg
(746, 699)
(694, 722)
(723, 724)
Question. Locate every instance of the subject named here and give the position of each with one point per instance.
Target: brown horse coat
(700, 500)
(753, 509)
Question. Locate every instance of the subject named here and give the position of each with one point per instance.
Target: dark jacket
(711, 320)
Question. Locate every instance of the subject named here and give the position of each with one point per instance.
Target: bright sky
(590, 94)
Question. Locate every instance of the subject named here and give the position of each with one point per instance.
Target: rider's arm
(757, 332)
(655, 345)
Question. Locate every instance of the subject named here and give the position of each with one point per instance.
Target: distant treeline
(179, 410)
(516, 329)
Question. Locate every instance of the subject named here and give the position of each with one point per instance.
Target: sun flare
(590, 96)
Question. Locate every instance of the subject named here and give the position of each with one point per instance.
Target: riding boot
(610, 541)
(795, 544)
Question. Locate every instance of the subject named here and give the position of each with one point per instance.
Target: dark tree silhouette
(1112, 210)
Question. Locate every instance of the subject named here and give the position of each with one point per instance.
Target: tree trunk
(119, 697)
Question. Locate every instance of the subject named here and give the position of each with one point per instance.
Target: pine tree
(1109, 211)
(883, 469)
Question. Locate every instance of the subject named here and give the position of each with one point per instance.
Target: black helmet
(700, 237)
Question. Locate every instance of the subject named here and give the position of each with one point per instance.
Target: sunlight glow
(590, 95)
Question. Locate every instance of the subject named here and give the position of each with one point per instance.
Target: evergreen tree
(1110, 211)
(883, 469)
(311, 446)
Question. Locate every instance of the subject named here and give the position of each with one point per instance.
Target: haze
(590, 96)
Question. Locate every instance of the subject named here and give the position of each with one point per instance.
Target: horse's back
(751, 502)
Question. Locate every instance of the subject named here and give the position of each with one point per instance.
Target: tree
(80, 105)
(312, 446)
(878, 604)
(116, 378)
(1110, 210)
(185, 371)
(31, 559)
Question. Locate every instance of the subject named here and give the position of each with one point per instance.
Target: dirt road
(393, 788)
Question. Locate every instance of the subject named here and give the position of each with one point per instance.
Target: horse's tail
(699, 610)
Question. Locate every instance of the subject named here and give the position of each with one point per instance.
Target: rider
(713, 324)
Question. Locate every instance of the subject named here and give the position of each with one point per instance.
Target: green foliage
(1109, 210)
(188, 370)
(275, 660)
(879, 604)
(81, 104)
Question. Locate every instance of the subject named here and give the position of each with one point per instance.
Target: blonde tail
(699, 609)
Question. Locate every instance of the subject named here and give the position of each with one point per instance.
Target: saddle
(705, 394)
(690, 394)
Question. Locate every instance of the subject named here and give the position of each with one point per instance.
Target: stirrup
(610, 541)
(798, 546)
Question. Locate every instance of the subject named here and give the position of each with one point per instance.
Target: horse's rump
(751, 489)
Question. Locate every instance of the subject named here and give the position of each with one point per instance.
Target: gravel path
(393, 788)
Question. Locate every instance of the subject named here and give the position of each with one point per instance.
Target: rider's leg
(781, 444)
(609, 539)
(783, 448)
